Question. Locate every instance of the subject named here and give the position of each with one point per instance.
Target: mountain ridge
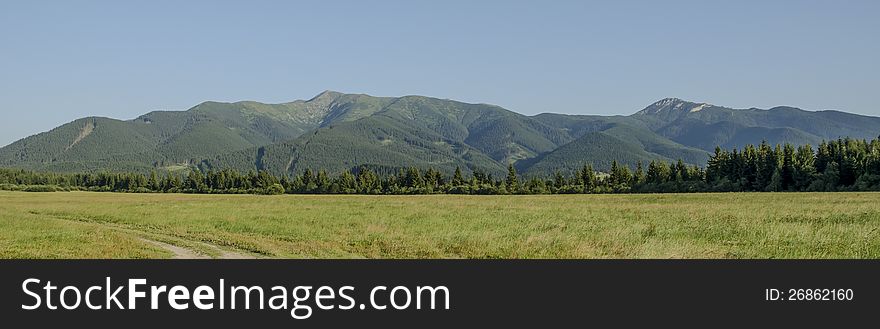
(338, 131)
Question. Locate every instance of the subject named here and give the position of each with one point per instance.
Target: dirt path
(181, 249)
(178, 252)
(184, 253)
(192, 250)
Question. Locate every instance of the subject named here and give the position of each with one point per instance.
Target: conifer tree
(153, 182)
(614, 178)
(775, 181)
(788, 166)
(558, 180)
(367, 181)
(639, 175)
(589, 178)
(457, 178)
(322, 181)
(512, 182)
(308, 178)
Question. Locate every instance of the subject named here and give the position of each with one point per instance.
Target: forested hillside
(338, 132)
(706, 126)
(841, 165)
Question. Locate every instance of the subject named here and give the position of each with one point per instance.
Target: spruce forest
(840, 165)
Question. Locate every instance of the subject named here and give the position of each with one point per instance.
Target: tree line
(840, 165)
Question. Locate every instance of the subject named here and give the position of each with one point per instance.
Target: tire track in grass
(179, 248)
(177, 252)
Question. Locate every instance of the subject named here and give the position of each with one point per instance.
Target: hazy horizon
(64, 61)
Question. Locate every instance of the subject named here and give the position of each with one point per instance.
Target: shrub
(41, 188)
(460, 189)
(274, 189)
(10, 187)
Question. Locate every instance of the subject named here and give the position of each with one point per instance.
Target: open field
(738, 225)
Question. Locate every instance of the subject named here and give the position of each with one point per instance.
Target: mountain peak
(668, 101)
(326, 95)
(672, 105)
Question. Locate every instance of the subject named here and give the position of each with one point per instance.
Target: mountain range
(336, 131)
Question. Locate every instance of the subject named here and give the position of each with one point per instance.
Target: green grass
(736, 225)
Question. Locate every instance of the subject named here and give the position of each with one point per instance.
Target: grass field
(738, 225)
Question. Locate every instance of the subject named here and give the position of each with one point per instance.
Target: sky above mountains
(64, 60)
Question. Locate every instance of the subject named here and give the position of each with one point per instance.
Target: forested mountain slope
(706, 126)
(337, 132)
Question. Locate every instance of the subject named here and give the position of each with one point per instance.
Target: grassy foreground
(735, 225)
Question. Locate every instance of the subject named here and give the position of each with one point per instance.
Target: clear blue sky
(67, 59)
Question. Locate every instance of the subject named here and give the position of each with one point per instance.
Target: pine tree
(433, 179)
(322, 181)
(414, 178)
(766, 166)
(512, 182)
(788, 166)
(614, 178)
(804, 168)
(457, 178)
(589, 178)
(681, 171)
(265, 179)
(308, 178)
(195, 181)
(823, 157)
(625, 177)
(153, 182)
(368, 181)
(639, 175)
(480, 176)
(714, 171)
(830, 179)
(658, 173)
(309, 183)
(775, 181)
(558, 180)
(175, 183)
(748, 167)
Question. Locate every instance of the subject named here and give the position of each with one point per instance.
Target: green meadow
(719, 225)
